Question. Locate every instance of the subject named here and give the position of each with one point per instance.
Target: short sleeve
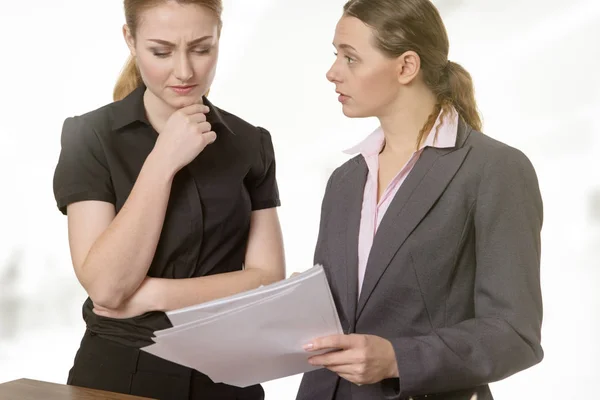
(262, 182)
(82, 171)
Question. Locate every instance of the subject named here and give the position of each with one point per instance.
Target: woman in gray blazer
(430, 235)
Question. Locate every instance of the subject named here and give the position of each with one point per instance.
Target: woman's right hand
(185, 134)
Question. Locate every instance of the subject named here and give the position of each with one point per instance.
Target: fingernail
(308, 346)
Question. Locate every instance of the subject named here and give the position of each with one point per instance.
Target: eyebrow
(192, 43)
(345, 46)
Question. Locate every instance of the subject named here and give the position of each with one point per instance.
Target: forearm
(119, 259)
(179, 293)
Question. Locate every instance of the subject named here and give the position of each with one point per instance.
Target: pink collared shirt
(443, 135)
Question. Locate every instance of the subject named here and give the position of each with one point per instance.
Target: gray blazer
(453, 277)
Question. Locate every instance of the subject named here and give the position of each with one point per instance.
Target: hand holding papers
(255, 336)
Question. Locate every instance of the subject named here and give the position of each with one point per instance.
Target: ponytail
(128, 81)
(462, 94)
(454, 89)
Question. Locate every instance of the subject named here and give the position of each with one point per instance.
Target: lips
(183, 90)
(342, 98)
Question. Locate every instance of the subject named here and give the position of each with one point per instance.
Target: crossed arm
(112, 253)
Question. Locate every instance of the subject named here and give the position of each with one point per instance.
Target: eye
(349, 60)
(161, 53)
(201, 49)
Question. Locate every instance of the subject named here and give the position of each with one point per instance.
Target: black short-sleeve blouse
(207, 221)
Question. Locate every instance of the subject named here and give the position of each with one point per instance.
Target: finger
(210, 136)
(195, 109)
(196, 118)
(340, 357)
(204, 127)
(346, 369)
(329, 342)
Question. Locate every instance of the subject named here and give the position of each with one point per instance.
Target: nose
(182, 69)
(333, 73)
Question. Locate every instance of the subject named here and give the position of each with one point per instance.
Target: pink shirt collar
(442, 135)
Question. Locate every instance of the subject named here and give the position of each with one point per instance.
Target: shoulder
(101, 118)
(489, 151)
(347, 172)
(239, 126)
(90, 125)
(497, 162)
(251, 140)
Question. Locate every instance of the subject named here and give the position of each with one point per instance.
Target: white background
(534, 64)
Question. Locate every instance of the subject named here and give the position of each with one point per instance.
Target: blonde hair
(416, 25)
(130, 77)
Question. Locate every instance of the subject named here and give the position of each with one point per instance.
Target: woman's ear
(408, 67)
(129, 39)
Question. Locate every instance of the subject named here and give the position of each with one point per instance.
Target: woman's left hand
(142, 301)
(360, 359)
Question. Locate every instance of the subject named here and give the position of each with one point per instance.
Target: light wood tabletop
(28, 389)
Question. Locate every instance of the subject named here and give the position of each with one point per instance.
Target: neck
(406, 118)
(158, 111)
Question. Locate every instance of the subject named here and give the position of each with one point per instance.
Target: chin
(178, 102)
(353, 113)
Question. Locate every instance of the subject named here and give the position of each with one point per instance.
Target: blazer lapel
(348, 213)
(419, 192)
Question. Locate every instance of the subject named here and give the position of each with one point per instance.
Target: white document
(255, 336)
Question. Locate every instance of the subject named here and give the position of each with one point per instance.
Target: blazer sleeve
(504, 336)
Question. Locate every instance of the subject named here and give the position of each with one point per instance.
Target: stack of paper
(255, 336)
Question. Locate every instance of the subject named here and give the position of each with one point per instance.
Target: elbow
(538, 353)
(533, 343)
(110, 304)
(108, 298)
(531, 352)
(101, 292)
(534, 356)
(104, 292)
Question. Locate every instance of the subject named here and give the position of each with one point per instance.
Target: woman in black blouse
(170, 202)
